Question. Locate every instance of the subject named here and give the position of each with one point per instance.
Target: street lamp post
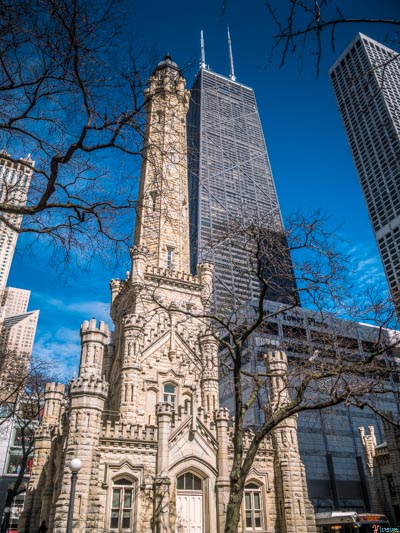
(75, 465)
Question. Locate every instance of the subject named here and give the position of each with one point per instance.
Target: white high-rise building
(366, 81)
(15, 178)
(14, 301)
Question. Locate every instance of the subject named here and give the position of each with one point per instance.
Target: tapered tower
(163, 210)
(231, 184)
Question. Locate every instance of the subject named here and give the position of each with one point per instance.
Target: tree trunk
(233, 510)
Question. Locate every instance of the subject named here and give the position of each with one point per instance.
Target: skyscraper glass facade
(231, 185)
(366, 81)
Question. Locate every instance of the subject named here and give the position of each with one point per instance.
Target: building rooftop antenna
(232, 69)
(203, 55)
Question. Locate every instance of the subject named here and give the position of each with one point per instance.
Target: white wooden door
(189, 512)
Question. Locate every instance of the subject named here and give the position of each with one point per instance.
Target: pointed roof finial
(203, 55)
(232, 70)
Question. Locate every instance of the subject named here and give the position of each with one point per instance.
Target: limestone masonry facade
(143, 415)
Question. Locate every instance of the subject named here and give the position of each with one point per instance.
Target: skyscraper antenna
(203, 55)
(232, 69)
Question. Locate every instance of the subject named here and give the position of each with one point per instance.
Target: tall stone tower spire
(162, 224)
(143, 415)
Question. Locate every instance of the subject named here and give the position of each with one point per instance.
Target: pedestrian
(43, 528)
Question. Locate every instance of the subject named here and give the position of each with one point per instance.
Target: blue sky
(307, 146)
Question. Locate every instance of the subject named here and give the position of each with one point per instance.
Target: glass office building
(366, 81)
(231, 186)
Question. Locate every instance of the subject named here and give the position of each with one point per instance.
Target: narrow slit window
(170, 258)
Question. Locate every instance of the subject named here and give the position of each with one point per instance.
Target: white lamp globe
(75, 465)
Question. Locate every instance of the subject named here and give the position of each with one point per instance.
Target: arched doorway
(189, 504)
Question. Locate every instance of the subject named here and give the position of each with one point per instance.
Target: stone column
(139, 261)
(295, 513)
(205, 274)
(209, 381)
(133, 332)
(369, 447)
(222, 482)
(162, 518)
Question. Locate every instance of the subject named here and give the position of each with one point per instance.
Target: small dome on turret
(167, 63)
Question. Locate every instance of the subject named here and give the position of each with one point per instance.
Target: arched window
(169, 394)
(189, 503)
(188, 481)
(122, 502)
(253, 507)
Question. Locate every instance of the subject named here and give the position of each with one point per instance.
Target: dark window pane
(248, 519)
(126, 519)
(197, 483)
(181, 482)
(123, 481)
(114, 519)
(128, 499)
(189, 481)
(247, 500)
(116, 497)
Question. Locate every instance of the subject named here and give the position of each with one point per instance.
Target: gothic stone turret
(87, 396)
(38, 498)
(294, 508)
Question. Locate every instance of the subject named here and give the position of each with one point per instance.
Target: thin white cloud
(366, 265)
(61, 349)
(85, 308)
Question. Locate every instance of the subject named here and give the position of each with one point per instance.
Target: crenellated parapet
(133, 322)
(44, 431)
(90, 327)
(277, 362)
(121, 431)
(222, 415)
(173, 278)
(163, 409)
(89, 386)
(53, 399)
